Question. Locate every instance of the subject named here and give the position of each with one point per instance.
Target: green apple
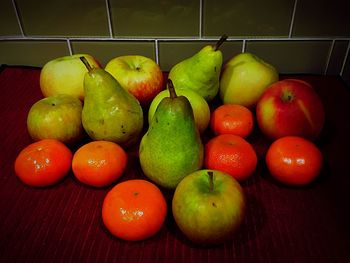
(244, 79)
(200, 107)
(56, 117)
(139, 75)
(208, 206)
(65, 75)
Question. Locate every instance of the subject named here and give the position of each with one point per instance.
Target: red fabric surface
(283, 224)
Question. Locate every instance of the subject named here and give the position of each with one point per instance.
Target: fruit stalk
(86, 63)
(211, 181)
(220, 41)
(171, 89)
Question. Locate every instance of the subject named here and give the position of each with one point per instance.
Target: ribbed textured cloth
(63, 223)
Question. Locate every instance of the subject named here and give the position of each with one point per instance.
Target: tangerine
(134, 210)
(99, 163)
(293, 160)
(43, 163)
(232, 119)
(231, 154)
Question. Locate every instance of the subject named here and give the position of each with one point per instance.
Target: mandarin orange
(99, 163)
(134, 210)
(231, 154)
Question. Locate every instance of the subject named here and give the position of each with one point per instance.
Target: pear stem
(86, 63)
(171, 89)
(220, 41)
(211, 181)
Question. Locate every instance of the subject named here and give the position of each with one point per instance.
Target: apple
(200, 107)
(290, 107)
(208, 206)
(56, 117)
(65, 75)
(139, 75)
(244, 79)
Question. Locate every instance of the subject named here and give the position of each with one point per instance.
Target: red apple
(139, 75)
(290, 107)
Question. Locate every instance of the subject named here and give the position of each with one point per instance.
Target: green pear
(109, 113)
(171, 148)
(201, 72)
(200, 107)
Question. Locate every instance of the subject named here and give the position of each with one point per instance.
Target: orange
(43, 163)
(232, 119)
(294, 160)
(134, 210)
(231, 154)
(99, 163)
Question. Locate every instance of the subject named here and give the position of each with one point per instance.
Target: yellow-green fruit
(110, 113)
(65, 75)
(171, 148)
(201, 72)
(200, 107)
(56, 117)
(245, 78)
(208, 207)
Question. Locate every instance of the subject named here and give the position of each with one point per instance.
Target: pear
(171, 148)
(201, 72)
(109, 113)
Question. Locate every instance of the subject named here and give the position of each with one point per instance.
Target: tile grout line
(292, 19)
(156, 49)
(14, 4)
(244, 45)
(69, 44)
(345, 59)
(329, 57)
(109, 18)
(200, 19)
(165, 39)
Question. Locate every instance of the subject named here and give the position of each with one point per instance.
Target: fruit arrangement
(200, 152)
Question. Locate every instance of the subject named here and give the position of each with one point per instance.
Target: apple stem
(171, 89)
(211, 181)
(220, 41)
(287, 97)
(86, 63)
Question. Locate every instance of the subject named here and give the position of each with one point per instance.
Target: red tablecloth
(283, 224)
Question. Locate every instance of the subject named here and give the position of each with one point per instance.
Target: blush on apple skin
(146, 90)
(290, 107)
(139, 75)
(209, 211)
(65, 75)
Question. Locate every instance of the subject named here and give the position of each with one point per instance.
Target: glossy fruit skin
(244, 79)
(232, 119)
(231, 154)
(56, 117)
(290, 107)
(294, 160)
(200, 72)
(172, 147)
(110, 112)
(208, 217)
(141, 76)
(134, 210)
(99, 163)
(200, 107)
(65, 75)
(43, 163)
